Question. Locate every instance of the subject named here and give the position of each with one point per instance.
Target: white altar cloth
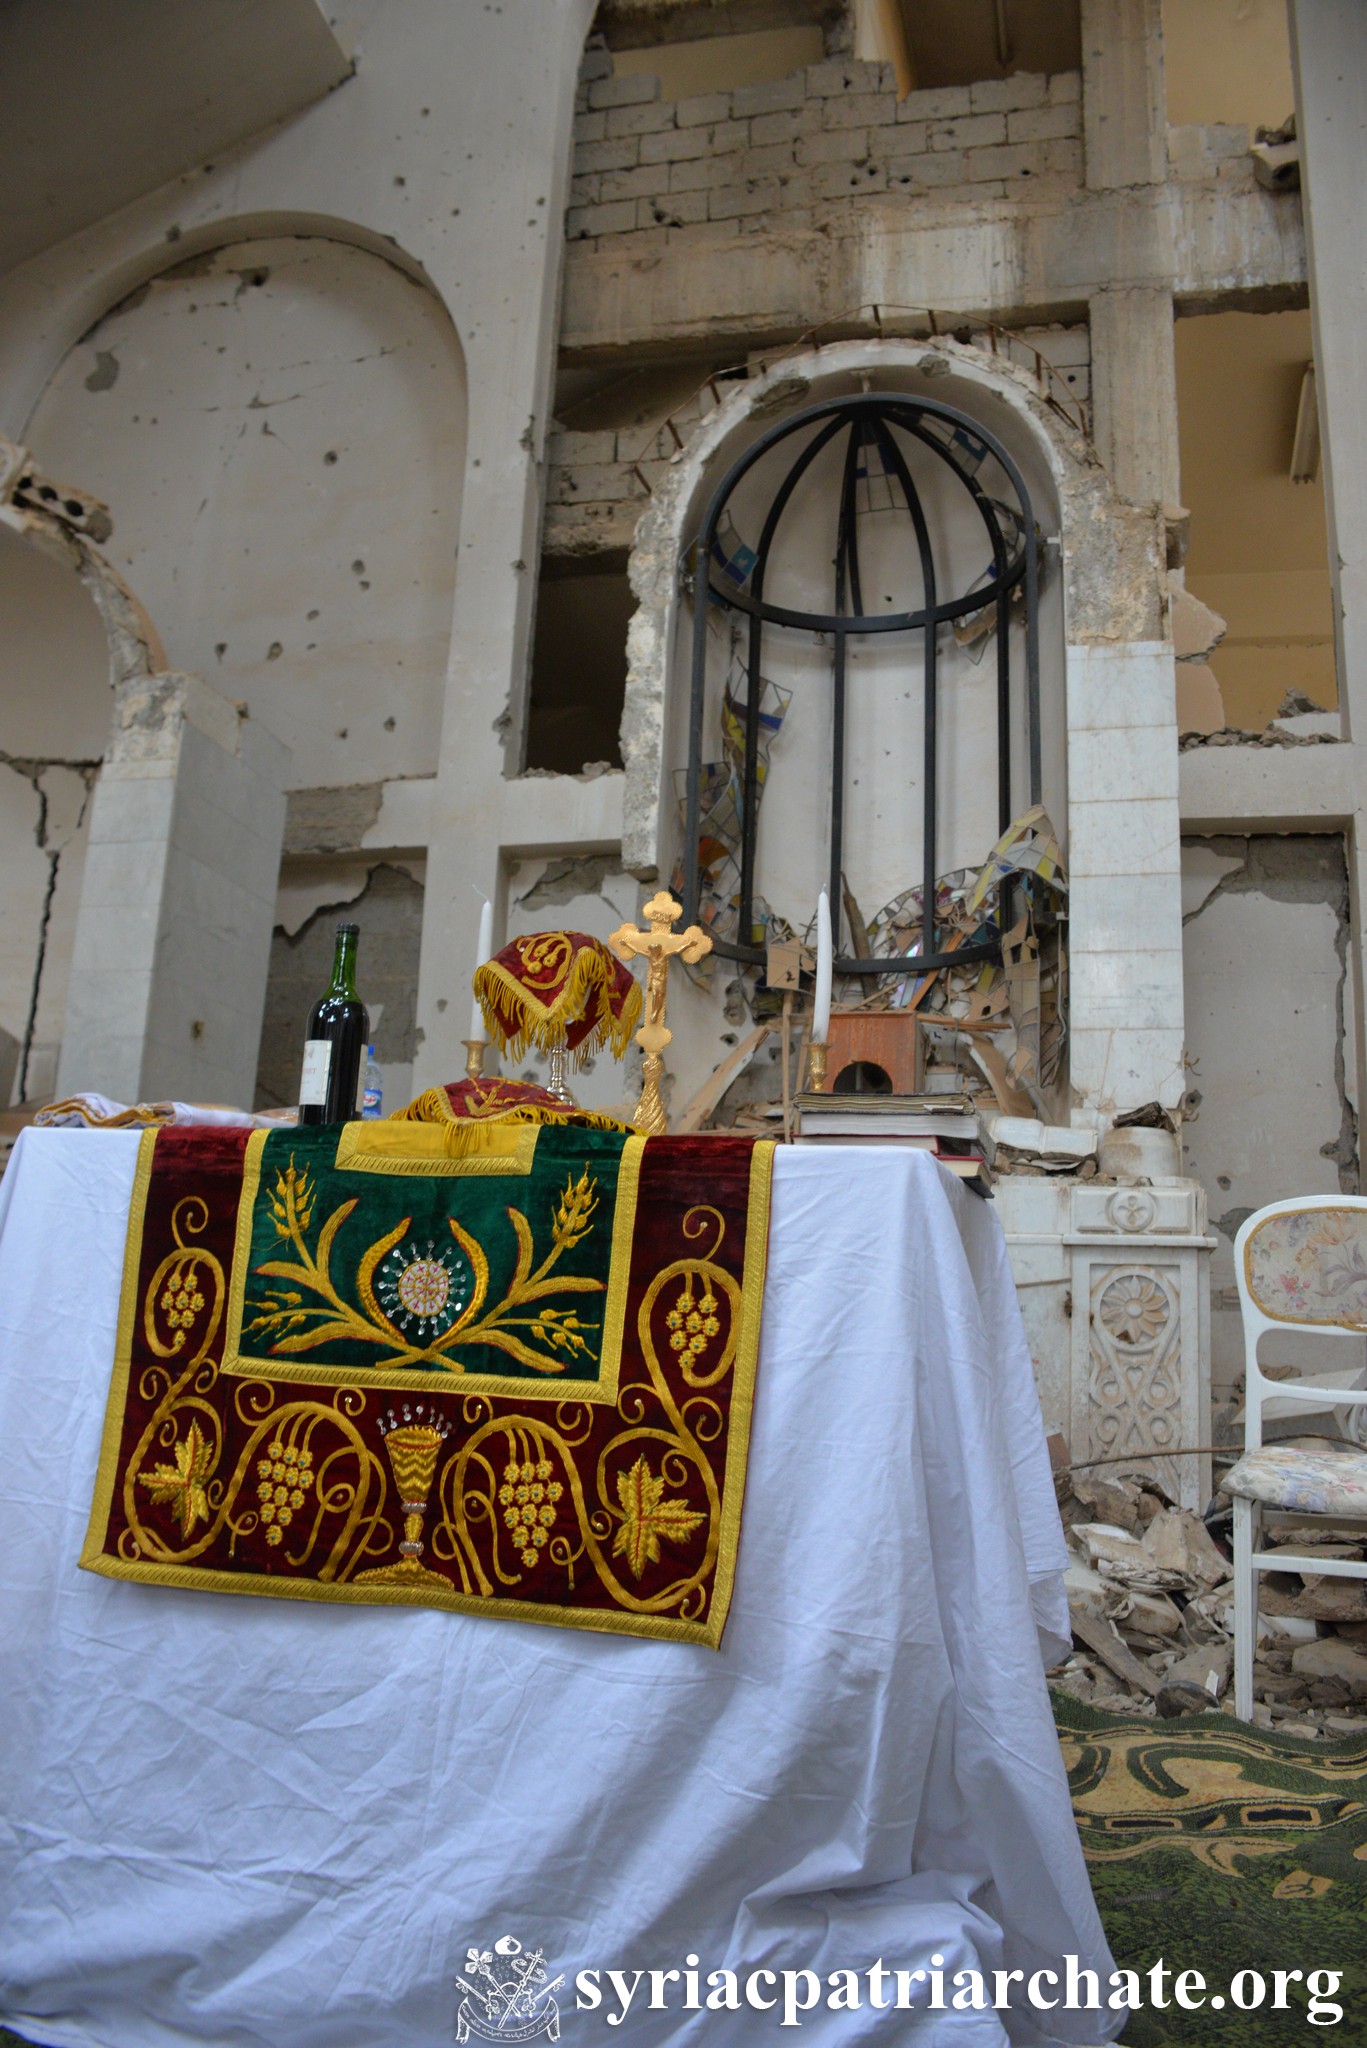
(243, 1823)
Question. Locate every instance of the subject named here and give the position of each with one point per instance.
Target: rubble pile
(1151, 1597)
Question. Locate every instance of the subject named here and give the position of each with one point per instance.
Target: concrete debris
(1308, 725)
(1332, 1660)
(1196, 629)
(1235, 736)
(1197, 1681)
(1025, 1145)
(1117, 1556)
(1179, 1542)
(1151, 1597)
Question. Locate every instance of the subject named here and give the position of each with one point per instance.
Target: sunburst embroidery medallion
(423, 1288)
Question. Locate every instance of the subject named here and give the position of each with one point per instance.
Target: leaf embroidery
(183, 1483)
(646, 1517)
(290, 1325)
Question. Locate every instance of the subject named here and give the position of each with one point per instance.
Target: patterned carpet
(1221, 1848)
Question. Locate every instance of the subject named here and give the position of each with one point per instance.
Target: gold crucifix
(657, 947)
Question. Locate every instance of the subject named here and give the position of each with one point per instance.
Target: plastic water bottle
(373, 1097)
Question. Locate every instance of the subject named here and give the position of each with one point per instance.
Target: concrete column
(480, 811)
(1329, 49)
(173, 934)
(1134, 392)
(1329, 58)
(1124, 119)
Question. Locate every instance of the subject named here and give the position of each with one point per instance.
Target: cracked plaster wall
(1268, 1007)
(279, 427)
(386, 901)
(54, 718)
(446, 150)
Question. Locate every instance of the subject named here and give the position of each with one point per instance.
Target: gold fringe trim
(544, 1025)
(433, 1106)
(142, 1116)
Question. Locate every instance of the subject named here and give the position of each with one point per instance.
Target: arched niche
(1100, 589)
(278, 424)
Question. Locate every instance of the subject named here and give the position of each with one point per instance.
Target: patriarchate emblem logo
(507, 1997)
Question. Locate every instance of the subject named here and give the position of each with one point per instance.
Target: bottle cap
(370, 1052)
(353, 930)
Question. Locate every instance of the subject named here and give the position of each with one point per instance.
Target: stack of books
(947, 1125)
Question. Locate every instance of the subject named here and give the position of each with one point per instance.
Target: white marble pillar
(1125, 899)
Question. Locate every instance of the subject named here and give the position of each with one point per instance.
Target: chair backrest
(1300, 1265)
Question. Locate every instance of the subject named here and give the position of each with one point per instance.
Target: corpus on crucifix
(657, 947)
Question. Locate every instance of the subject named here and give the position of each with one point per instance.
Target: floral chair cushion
(1310, 1266)
(1310, 1482)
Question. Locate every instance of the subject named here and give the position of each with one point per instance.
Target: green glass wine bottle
(337, 1034)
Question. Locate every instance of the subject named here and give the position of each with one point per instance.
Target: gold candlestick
(657, 947)
(474, 1058)
(817, 1053)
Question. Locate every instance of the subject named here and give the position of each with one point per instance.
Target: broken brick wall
(618, 428)
(775, 155)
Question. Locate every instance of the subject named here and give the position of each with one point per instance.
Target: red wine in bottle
(337, 1034)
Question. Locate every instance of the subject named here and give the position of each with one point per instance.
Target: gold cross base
(656, 947)
(650, 1117)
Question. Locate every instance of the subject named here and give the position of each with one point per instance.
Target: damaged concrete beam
(1037, 264)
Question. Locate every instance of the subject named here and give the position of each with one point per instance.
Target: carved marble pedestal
(1114, 1284)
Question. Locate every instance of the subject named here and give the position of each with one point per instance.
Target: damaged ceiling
(174, 85)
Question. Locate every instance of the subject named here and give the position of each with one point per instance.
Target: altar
(242, 1821)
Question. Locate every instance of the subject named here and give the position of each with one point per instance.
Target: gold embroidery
(287, 1319)
(646, 1517)
(286, 1476)
(623, 1516)
(560, 1334)
(456, 1149)
(528, 1496)
(519, 1494)
(182, 1484)
(413, 1448)
(187, 1479)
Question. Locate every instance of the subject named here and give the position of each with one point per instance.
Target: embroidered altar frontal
(507, 1369)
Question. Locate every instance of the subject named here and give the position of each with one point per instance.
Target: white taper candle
(825, 964)
(482, 950)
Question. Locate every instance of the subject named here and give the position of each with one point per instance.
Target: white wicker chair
(1302, 1266)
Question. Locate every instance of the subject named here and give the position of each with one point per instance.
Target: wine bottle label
(313, 1082)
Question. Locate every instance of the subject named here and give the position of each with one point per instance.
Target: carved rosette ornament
(1134, 1383)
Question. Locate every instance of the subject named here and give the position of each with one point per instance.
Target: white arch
(1108, 545)
(1107, 686)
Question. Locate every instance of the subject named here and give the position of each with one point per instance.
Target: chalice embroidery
(413, 1442)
